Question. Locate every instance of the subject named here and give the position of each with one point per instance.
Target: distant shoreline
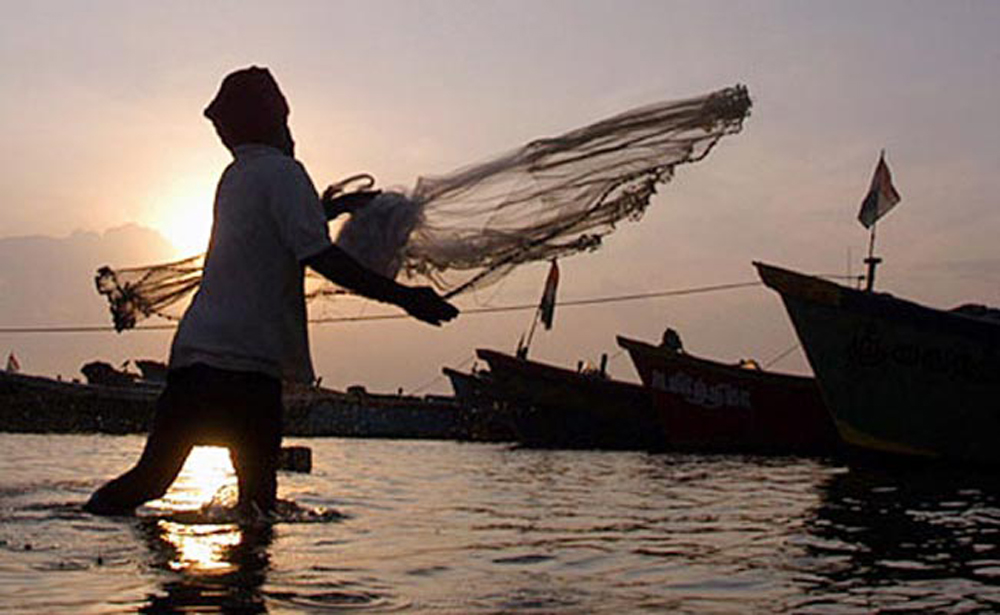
(36, 404)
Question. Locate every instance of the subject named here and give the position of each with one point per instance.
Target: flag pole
(872, 261)
(545, 308)
(522, 351)
(881, 197)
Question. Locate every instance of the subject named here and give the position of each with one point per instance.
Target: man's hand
(347, 203)
(424, 304)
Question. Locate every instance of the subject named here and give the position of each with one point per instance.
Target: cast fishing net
(464, 230)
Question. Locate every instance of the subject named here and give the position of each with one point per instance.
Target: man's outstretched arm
(421, 302)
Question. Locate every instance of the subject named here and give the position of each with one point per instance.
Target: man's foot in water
(99, 505)
(249, 512)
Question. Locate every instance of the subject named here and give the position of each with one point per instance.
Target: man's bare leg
(167, 447)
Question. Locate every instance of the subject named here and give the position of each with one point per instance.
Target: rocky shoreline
(35, 404)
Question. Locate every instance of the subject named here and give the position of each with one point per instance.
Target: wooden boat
(705, 405)
(552, 407)
(473, 390)
(899, 377)
(486, 418)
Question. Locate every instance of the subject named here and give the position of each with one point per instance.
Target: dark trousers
(205, 405)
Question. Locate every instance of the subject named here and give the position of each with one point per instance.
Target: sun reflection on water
(199, 542)
(207, 474)
(201, 548)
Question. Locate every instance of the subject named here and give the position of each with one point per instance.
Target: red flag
(881, 197)
(548, 305)
(12, 364)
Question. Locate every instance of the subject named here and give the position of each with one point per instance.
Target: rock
(295, 459)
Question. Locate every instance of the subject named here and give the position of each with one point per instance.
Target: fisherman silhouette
(245, 330)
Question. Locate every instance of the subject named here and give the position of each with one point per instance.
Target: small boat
(486, 418)
(472, 390)
(899, 377)
(553, 407)
(708, 406)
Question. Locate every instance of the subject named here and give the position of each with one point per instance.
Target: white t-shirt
(249, 313)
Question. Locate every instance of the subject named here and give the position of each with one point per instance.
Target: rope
(374, 317)
(782, 355)
(423, 387)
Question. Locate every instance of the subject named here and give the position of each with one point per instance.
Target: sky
(107, 159)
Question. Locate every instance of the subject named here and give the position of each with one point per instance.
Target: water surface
(444, 527)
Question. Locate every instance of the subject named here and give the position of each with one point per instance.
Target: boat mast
(522, 349)
(872, 261)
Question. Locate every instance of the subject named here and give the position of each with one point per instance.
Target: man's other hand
(424, 304)
(346, 203)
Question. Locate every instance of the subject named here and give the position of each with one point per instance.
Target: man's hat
(249, 105)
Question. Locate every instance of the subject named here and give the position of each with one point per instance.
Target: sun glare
(206, 472)
(187, 227)
(201, 548)
(181, 210)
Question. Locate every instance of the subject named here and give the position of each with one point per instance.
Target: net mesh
(135, 293)
(464, 230)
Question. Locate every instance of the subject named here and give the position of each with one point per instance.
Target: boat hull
(898, 377)
(710, 406)
(485, 417)
(552, 407)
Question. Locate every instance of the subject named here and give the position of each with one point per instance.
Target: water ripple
(452, 528)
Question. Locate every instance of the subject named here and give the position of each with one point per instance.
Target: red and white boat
(705, 405)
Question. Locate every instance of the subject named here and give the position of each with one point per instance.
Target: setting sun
(188, 229)
(182, 212)
(187, 226)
